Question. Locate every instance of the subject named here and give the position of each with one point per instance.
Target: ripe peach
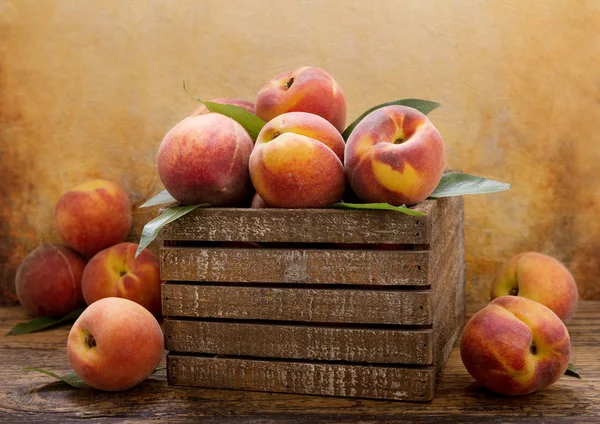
(394, 155)
(515, 346)
(292, 165)
(93, 216)
(115, 344)
(204, 159)
(541, 278)
(48, 281)
(116, 272)
(244, 104)
(307, 89)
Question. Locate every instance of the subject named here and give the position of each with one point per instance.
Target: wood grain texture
(308, 266)
(262, 340)
(410, 307)
(32, 397)
(296, 377)
(302, 226)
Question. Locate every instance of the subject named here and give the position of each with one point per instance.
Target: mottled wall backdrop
(88, 89)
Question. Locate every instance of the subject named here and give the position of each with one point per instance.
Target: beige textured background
(88, 89)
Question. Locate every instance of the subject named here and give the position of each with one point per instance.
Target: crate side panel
(410, 307)
(299, 342)
(310, 266)
(395, 383)
(302, 225)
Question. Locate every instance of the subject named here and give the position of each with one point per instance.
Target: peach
(116, 272)
(292, 164)
(115, 344)
(307, 89)
(93, 216)
(204, 159)
(48, 281)
(394, 155)
(538, 277)
(515, 346)
(244, 104)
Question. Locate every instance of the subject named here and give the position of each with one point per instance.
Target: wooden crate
(321, 308)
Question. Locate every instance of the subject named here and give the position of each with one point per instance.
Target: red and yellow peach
(93, 216)
(116, 272)
(394, 155)
(48, 281)
(515, 346)
(307, 89)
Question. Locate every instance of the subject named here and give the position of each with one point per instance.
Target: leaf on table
(43, 323)
(377, 206)
(572, 371)
(161, 198)
(459, 184)
(152, 228)
(71, 379)
(251, 123)
(423, 106)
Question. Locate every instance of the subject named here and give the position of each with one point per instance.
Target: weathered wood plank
(415, 384)
(302, 225)
(411, 307)
(318, 266)
(299, 342)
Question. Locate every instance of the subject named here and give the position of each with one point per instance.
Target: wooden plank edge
(311, 378)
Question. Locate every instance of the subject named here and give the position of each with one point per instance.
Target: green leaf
(161, 198)
(43, 323)
(423, 106)
(459, 184)
(251, 123)
(169, 215)
(71, 379)
(377, 206)
(572, 371)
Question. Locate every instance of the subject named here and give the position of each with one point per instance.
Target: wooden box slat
(405, 307)
(307, 266)
(302, 225)
(415, 384)
(300, 342)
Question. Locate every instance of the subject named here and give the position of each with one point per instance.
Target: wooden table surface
(32, 397)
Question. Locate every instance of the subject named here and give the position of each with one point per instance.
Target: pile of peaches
(116, 342)
(300, 159)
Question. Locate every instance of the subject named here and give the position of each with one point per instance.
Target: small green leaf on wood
(572, 371)
(152, 228)
(459, 184)
(377, 206)
(251, 123)
(423, 106)
(71, 379)
(161, 198)
(43, 323)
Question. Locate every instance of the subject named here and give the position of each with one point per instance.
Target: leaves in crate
(152, 228)
(251, 123)
(377, 206)
(71, 379)
(43, 323)
(572, 371)
(423, 106)
(459, 184)
(161, 198)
